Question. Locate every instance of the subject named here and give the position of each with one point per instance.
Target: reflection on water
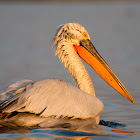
(26, 32)
(87, 132)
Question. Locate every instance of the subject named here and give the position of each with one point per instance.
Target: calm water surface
(26, 32)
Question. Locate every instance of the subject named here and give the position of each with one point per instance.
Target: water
(26, 32)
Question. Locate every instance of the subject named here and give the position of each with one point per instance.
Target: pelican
(51, 102)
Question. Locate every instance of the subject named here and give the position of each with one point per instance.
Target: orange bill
(90, 55)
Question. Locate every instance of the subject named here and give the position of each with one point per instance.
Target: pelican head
(72, 42)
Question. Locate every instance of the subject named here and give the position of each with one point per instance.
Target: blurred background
(58, 1)
(27, 28)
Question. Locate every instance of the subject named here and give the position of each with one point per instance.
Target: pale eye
(85, 35)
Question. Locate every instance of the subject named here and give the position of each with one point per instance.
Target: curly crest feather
(66, 36)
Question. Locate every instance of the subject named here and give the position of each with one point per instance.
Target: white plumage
(54, 97)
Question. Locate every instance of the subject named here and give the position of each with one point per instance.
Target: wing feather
(54, 97)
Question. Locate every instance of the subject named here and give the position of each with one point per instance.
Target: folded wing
(53, 97)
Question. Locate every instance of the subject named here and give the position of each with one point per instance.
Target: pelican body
(52, 102)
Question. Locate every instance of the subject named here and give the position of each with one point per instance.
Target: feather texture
(66, 36)
(53, 97)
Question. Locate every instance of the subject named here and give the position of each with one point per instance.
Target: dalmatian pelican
(51, 102)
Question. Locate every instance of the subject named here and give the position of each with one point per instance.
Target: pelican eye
(85, 35)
